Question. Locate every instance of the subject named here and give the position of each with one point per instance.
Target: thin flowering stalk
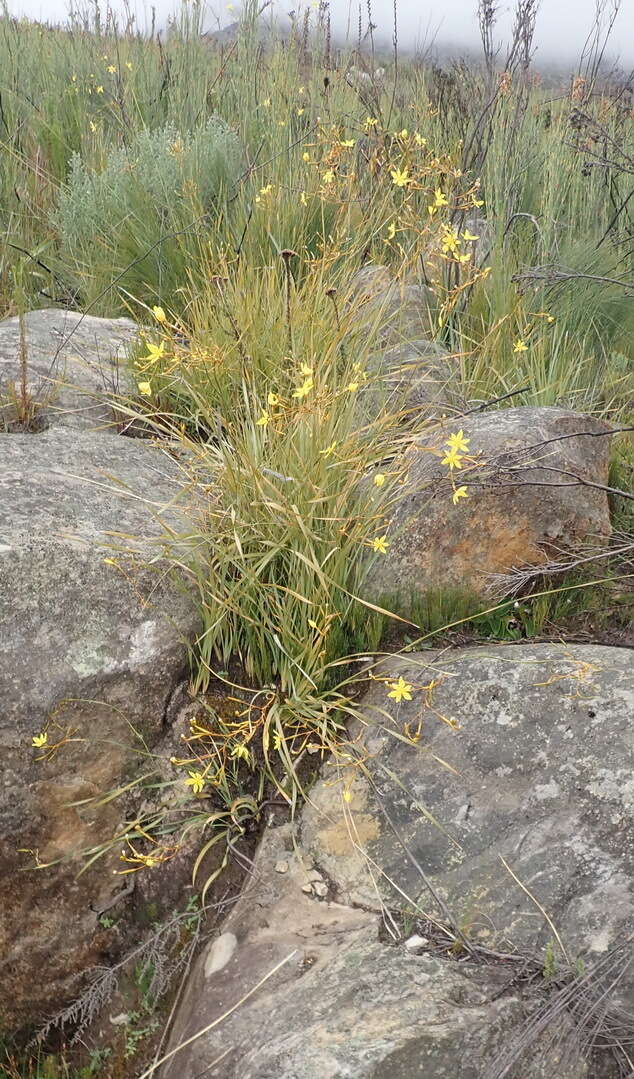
(331, 293)
(287, 255)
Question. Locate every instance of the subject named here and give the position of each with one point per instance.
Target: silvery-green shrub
(107, 218)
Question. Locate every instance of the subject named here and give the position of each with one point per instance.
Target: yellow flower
(39, 740)
(99, 89)
(155, 352)
(550, 318)
(400, 177)
(478, 202)
(159, 314)
(305, 156)
(520, 346)
(305, 370)
(391, 231)
(403, 134)
(303, 199)
(145, 389)
(458, 442)
(240, 751)
(400, 691)
(379, 479)
(74, 78)
(380, 544)
(196, 781)
(328, 176)
(469, 235)
(300, 112)
(440, 199)
(267, 103)
(301, 90)
(460, 492)
(419, 140)
(329, 449)
(111, 69)
(303, 391)
(352, 387)
(449, 241)
(273, 400)
(263, 420)
(93, 126)
(370, 121)
(348, 143)
(453, 460)
(128, 65)
(347, 796)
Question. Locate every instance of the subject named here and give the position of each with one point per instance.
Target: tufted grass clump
(268, 399)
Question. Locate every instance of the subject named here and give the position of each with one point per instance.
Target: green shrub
(121, 220)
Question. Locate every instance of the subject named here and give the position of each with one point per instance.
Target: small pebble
(320, 888)
(281, 867)
(120, 1020)
(415, 943)
(308, 888)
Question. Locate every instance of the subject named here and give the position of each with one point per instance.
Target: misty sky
(561, 28)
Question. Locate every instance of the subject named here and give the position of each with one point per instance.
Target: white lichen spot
(614, 786)
(545, 791)
(143, 643)
(601, 941)
(92, 656)
(219, 953)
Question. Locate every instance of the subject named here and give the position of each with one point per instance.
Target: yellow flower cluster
(451, 241)
(458, 446)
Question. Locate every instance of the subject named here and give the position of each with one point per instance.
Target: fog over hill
(562, 25)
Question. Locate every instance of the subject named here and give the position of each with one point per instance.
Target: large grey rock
(74, 365)
(394, 311)
(91, 651)
(526, 503)
(413, 378)
(522, 753)
(482, 247)
(342, 1004)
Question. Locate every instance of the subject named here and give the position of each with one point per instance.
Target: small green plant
(138, 1028)
(144, 976)
(97, 1058)
(19, 409)
(551, 965)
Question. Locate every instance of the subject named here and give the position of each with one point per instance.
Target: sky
(562, 25)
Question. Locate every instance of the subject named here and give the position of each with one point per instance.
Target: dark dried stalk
(286, 256)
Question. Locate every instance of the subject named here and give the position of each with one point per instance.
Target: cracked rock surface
(516, 752)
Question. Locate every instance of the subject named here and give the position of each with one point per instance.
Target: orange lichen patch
(340, 838)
